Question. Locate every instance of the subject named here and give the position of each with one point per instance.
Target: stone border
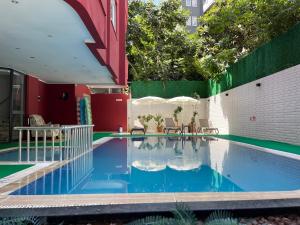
(67, 205)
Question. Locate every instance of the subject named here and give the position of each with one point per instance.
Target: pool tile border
(59, 205)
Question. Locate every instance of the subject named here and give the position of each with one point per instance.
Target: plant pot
(192, 128)
(159, 129)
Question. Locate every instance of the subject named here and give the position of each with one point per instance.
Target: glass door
(17, 103)
(5, 84)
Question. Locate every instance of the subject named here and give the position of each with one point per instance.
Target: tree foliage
(231, 29)
(160, 48)
(158, 44)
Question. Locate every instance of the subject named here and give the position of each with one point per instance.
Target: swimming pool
(170, 164)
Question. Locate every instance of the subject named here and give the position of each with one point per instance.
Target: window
(188, 22)
(113, 12)
(194, 3)
(194, 21)
(188, 2)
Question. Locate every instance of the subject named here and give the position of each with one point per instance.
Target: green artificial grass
(285, 147)
(98, 135)
(6, 170)
(8, 145)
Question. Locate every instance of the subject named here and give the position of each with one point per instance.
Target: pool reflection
(137, 165)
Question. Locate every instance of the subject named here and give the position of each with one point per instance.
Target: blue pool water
(164, 164)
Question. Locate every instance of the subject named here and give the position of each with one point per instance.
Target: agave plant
(184, 216)
(181, 216)
(221, 218)
(32, 220)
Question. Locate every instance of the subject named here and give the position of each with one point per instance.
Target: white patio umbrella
(148, 100)
(182, 164)
(189, 160)
(181, 100)
(149, 165)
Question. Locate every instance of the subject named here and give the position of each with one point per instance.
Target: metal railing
(54, 143)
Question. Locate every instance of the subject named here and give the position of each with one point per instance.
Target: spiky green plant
(182, 215)
(221, 218)
(22, 220)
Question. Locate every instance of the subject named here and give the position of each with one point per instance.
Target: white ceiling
(47, 38)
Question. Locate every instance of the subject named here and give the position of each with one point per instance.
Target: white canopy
(148, 100)
(182, 99)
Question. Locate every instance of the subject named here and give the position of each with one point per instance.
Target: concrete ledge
(66, 205)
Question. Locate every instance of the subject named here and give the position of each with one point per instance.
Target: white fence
(66, 142)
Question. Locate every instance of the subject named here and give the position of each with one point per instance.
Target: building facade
(196, 8)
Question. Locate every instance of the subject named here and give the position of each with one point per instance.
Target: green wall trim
(279, 54)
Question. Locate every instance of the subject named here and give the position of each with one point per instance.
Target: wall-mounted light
(258, 84)
(64, 96)
(227, 94)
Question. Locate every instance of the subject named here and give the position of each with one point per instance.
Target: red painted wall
(36, 98)
(109, 46)
(62, 111)
(109, 111)
(51, 105)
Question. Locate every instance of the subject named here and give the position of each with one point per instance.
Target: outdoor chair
(38, 121)
(206, 126)
(137, 126)
(170, 125)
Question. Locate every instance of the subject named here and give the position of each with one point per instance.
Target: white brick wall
(166, 110)
(276, 106)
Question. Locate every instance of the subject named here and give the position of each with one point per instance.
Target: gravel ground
(292, 219)
(272, 220)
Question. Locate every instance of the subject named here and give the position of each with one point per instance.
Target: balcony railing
(44, 144)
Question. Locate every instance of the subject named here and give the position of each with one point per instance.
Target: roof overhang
(47, 38)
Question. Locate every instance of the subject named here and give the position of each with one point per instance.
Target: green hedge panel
(281, 53)
(168, 89)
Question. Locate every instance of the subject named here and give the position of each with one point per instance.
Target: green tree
(231, 29)
(158, 44)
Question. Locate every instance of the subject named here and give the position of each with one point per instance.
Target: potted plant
(159, 122)
(192, 126)
(176, 112)
(145, 119)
